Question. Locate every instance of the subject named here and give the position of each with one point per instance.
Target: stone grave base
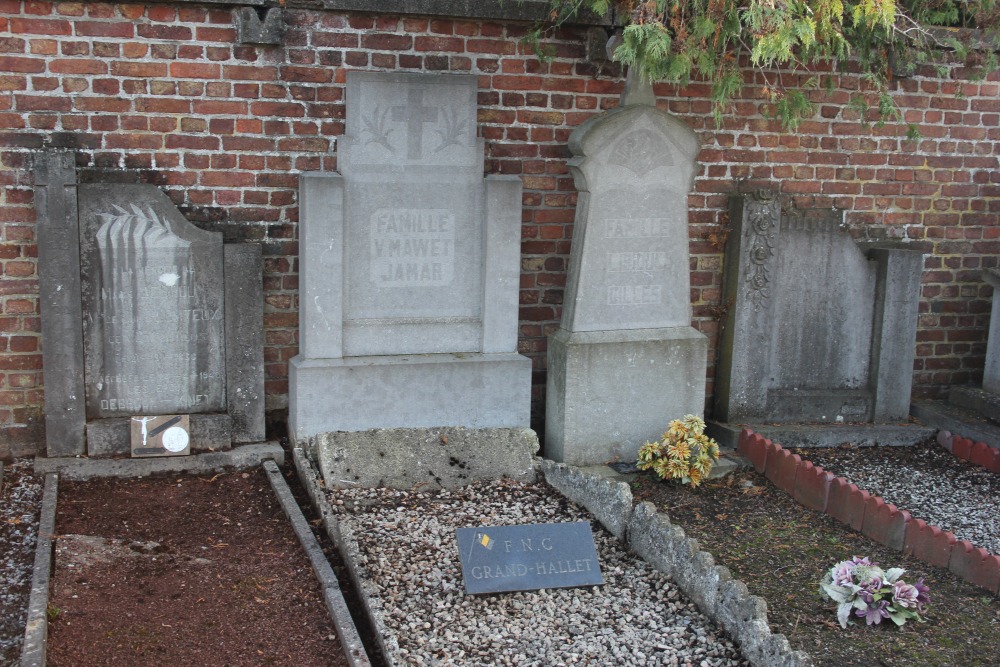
(408, 391)
(822, 435)
(957, 419)
(611, 391)
(981, 401)
(111, 437)
(447, 457)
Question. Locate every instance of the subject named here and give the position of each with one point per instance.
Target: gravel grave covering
(926, 481)
(407, 545)
(20, 503)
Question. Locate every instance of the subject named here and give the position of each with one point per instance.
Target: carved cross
(415, 115)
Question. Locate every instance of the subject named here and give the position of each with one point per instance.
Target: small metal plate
(528, 557)
(164, 435)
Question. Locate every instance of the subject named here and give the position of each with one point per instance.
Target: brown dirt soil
(183, 570)
(781, 550)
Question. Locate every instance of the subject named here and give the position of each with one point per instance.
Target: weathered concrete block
(446, 457)
(609, 501)
(607, 390)
(991, 373)
(408, 391)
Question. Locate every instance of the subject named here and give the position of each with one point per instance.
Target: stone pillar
(62, 313)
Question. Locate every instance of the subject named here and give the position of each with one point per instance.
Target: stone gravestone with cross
(625, 360)
(409, 272)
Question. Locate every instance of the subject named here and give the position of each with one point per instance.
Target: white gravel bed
(930, 484)
(20, 502)
(407, 540)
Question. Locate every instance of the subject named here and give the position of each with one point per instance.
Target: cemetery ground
(781, 549)
(261, 602)
(177, 569)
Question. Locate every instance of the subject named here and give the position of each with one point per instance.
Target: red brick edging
(883, 522)
(978, 453)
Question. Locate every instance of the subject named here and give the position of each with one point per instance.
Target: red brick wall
(166, 93)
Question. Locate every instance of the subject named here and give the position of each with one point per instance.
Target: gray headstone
(634, 167)
(428, 252)
(626, 360)
(820, 328)
(415, 250)
(143, 314)
(154, 311)
(991, 374)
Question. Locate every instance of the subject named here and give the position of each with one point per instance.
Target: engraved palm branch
(377, 126)
(452, 132)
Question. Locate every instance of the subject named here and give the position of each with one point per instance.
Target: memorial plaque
(154, 312)
(496, 559)
(164, 435)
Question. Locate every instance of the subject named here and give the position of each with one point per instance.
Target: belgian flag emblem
(485, 540)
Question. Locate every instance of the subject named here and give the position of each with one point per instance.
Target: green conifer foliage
(791, 44)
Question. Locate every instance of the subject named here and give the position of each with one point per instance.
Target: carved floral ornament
(760, 215)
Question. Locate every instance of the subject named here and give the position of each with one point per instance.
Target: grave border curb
(651, 536)
(336, 605)
(80, 469)
(36, 630)
(976, 452)
(883, 522)
(343, 539)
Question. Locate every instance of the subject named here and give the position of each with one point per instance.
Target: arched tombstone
(625, 360)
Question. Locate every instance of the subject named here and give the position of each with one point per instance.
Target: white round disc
(175, 439)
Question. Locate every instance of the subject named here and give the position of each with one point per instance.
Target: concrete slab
(823, 435)
(946, 417)
(79, 469)
(985, 404)
(447, 457)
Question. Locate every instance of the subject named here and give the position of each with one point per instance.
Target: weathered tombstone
(409, 270)
(983, 402)
(625, 360)
(142, 314)
(991, 374)
(820, 327)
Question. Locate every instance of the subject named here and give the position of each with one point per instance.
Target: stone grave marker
(985, 401)
(528, 557)
(409, 270)
(820, 328)
(625, 360)
(142, 314)
(991, 375)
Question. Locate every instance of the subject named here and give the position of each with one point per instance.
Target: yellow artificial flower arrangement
(684, 452)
